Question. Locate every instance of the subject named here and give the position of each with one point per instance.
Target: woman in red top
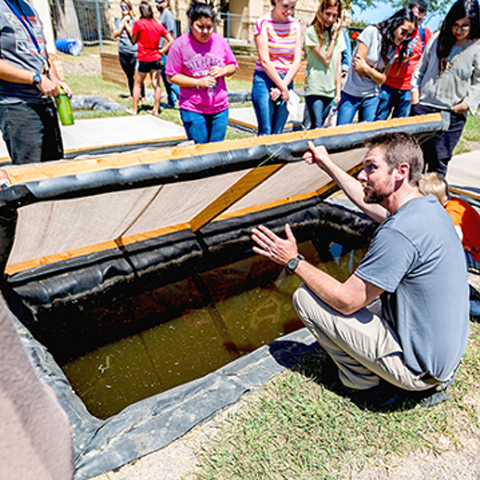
(147, 32)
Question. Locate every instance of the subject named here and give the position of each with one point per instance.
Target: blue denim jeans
(472, 265)
(270, 117)
(349, 105)
(318, 108)
(173, 91)
(392, 98)
(205, 127)
(438, 150)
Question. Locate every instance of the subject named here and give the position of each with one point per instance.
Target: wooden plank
(239, 189)
(112, 70)
(246, 68)
(461, 191)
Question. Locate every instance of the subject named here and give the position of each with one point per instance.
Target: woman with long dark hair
(198, 62)
(448, 79)
(324, 43)
(372, 58)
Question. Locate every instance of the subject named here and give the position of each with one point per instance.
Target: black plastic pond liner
(100, 277)
(153, 423)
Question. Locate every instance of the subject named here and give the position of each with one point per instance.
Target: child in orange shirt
(465, 218)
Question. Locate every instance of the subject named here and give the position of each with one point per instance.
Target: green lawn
(296, 428)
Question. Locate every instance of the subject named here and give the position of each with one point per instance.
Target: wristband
(197, 85)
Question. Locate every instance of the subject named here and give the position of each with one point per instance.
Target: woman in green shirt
(325, 44)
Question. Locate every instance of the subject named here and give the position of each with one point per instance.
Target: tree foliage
(439, 7)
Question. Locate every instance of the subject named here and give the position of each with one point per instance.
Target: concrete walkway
(102, 132)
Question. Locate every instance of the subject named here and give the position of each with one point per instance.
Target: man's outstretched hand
(277, 249)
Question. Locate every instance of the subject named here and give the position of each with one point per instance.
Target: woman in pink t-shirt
(147, 32)
(198, 62)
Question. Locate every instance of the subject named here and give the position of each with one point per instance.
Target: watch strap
(36, 79)
(292, 264)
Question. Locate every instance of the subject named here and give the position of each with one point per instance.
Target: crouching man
(415, 264)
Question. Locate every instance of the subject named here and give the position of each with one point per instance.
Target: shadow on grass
(313, 362)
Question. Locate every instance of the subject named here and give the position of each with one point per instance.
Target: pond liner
(101, 276)
(153, 423)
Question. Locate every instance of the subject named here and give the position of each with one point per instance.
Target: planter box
(112, 71)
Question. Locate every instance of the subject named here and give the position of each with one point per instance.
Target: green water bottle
(64, 107)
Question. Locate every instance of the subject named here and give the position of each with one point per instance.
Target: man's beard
(370, 196)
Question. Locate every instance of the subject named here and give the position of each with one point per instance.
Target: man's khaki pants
(363, 345)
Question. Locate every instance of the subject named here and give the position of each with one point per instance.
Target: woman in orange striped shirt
(278, 38)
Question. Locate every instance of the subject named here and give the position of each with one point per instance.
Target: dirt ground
(81, 65)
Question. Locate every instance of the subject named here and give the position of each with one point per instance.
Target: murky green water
(218, 317)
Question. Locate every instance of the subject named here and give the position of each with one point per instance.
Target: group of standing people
(142, 50)
(194, 70)
(397, 69)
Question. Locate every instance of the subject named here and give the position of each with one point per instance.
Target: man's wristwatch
(36, 79)
(292, 264)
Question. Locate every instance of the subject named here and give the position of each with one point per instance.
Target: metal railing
(92, 21)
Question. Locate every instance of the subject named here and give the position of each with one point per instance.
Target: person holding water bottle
(28, 82)
(198, 62)
(325, 43)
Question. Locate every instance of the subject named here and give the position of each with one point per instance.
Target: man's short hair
(400, 148)
(422, 5)
(438, 186)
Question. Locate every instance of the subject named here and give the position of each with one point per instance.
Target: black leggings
(438, 151)
(128, 62)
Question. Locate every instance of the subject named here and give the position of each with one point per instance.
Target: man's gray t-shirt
(417, 258)
(358, 85)
(17, 48)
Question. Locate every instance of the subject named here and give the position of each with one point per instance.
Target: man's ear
(402, 171)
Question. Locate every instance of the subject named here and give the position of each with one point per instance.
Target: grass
(296, 428)
(470, 134)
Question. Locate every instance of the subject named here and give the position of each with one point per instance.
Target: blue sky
(377, 14)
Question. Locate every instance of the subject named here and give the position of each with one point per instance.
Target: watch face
(292, 264)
